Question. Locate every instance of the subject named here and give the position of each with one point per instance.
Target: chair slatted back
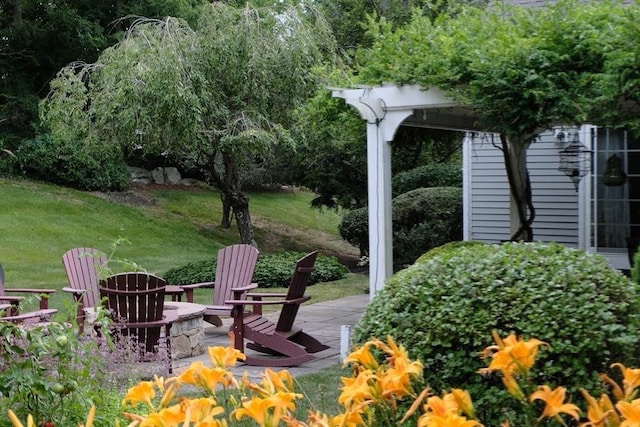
(234, 269)
(297, 287)
(135, 298)
(81, 266)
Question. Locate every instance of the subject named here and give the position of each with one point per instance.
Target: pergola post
(384, 108)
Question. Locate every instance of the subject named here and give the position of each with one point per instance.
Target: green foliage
(73, 163)
(422, 219)
(46, 371)
(509, 63)
(272, 270)
(430, 175)
(448, 249)
(445, 308)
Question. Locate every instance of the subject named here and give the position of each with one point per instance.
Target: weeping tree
(522, 70)
(215, 95)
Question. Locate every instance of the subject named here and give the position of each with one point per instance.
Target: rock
(140, 175)
(172, 176)
(158, 175)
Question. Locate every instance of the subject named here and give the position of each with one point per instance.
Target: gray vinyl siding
(554, 196)
(488, 192)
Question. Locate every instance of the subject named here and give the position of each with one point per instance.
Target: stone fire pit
(187, 333)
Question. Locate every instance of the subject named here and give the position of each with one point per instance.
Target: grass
(39, 222)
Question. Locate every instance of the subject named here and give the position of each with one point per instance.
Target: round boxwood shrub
(430, 175)
(423, 219)
(444, 309)
(272, 270)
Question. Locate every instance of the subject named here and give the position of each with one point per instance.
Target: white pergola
(385, 108)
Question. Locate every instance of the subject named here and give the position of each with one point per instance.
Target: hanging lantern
(575, 161)
(614, 175)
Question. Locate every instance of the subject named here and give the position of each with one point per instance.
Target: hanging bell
(613, 174)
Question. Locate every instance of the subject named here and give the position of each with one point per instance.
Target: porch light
(575, 160)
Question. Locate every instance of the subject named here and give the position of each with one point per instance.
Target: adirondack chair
(14, 310)
(289, 344)
(30, 317)
(136, 304)
(234, 269)
(81, 266)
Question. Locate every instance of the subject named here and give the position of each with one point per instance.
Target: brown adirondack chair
(289, 345)
(234, 269)
(136, 305)
(14, 301)
(81, 266)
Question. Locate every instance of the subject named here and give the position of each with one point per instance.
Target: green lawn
(39, 222)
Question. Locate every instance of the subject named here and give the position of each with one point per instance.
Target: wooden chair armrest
(198, 285)
(44, 302)
(42, 314)
(76, 293)
(266, 294)
(243, 302)
(30, 290)
(245, 288)
(188, 289)
(12, 300)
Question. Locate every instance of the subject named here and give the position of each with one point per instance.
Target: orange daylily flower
(210, 378)
(259, 409)
(392, 349)
(554, 400)
(463, 399)
(144, 392)
(363, 357)
(600, 412)
(356, 389)
(630, 412)
(17, 423)
(630, 380)
(441, 406)
(224, 357)
(511, 355)
(190, 375)
(448, 420)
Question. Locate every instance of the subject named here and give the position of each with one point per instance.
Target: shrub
(73, 164)
(272, 270)
(443, 309)
(354, 228)
(430, 175)
(422, 219)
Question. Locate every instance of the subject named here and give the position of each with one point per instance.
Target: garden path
(323, 320)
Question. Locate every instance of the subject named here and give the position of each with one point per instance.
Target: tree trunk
(233, 199)
(240, 204)
(515, 160)
(226, 212)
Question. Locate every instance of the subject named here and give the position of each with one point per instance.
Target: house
(566, 166)
(598, 211)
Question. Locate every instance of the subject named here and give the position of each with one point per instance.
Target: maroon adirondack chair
(82, 266)
(234, 269)
(136, 305)
(14, 301)
(288, 345)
